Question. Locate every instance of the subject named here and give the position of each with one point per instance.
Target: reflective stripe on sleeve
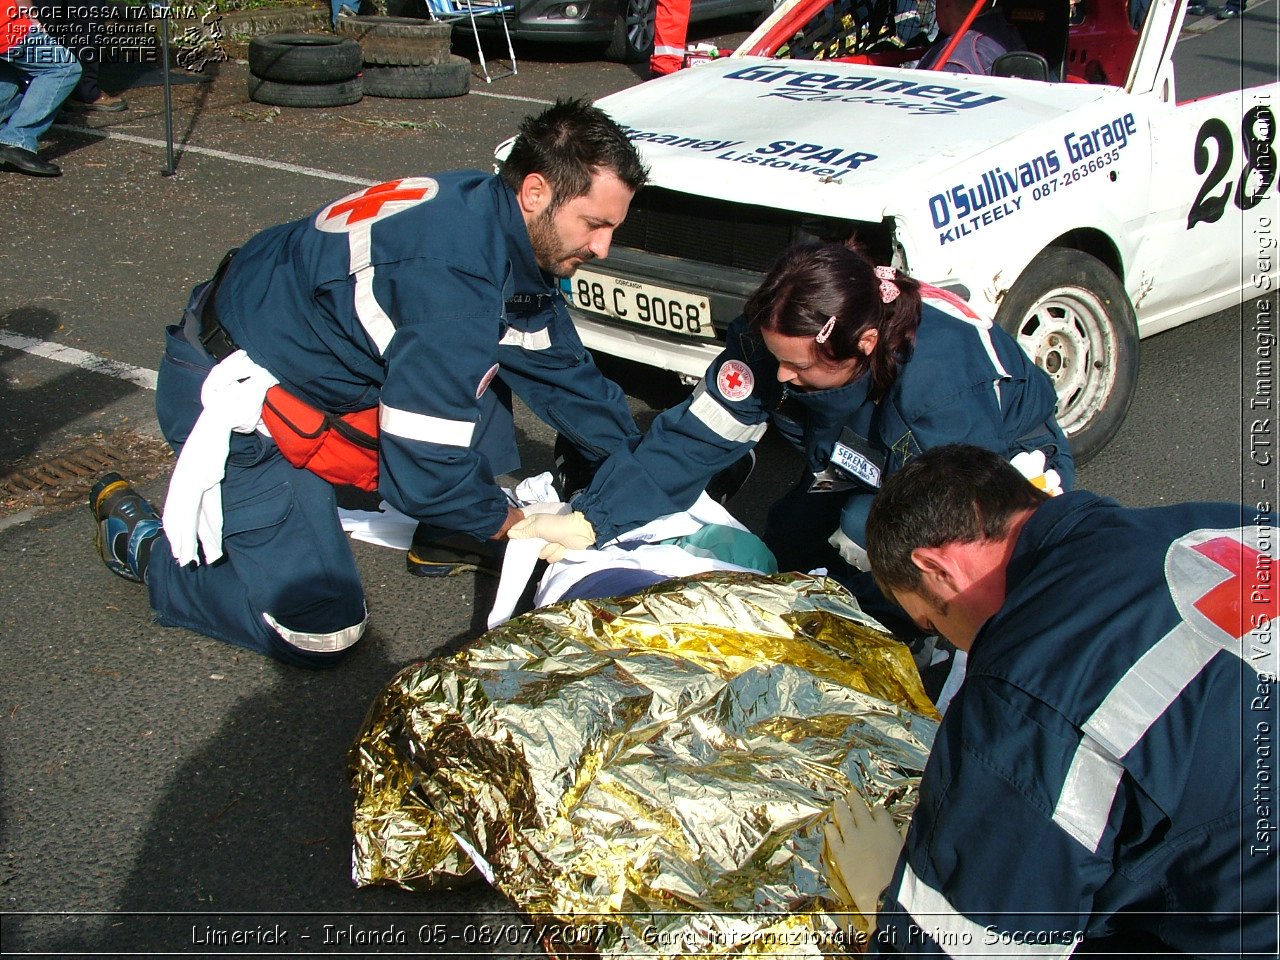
(419, 426)
(527, 340)
(1142, 695)
(1087, 794)
(711, 414)
(956, 934)
(334, 642)
(369, 312)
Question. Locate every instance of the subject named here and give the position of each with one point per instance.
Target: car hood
(827, 138)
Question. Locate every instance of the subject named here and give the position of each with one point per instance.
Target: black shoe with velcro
(434, 554)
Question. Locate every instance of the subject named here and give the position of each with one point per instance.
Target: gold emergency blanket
(651, 773)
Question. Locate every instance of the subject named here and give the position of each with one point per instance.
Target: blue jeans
(50, 72)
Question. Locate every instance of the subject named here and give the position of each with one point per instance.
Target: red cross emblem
(1223, 604)
(1224, 584)
(735, 380)
(375, 203)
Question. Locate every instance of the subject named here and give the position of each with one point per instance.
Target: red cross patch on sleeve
(735, 380)
(361, 210)
(1223, 584)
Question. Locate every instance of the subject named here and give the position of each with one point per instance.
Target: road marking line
(79, 358)
(141, 375)
(180, 149)
(511, 96)
(221, 154)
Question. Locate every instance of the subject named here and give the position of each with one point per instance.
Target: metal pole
(168, 88)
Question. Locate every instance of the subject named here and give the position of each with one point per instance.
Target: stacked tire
(305, 70)
(407, 57)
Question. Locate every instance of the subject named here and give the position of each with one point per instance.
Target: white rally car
(1081, 211)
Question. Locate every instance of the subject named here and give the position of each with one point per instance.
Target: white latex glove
(853, 553)
(563, 532)
(1031, 465)
(232, 396)
(860, 850)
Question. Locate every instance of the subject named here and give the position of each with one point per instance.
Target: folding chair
(453, 11)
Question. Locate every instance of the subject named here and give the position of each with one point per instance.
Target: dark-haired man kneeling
(1095, 782)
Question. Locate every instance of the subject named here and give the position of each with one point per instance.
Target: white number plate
(643, 303)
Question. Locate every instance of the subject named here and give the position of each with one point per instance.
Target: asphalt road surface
(156, 785)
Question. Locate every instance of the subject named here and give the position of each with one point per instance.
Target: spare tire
(430, 82)
(305, 94)
(398, 41)
(304, 58)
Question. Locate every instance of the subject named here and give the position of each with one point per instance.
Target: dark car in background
(626, 26)
(623, 27)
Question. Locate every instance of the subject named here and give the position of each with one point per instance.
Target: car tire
(304, 58)
(398, 41)
(1071, 314)
(633, 31)
(431, 82)
(305, 94)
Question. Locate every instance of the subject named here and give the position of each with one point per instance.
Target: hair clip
(889, 289)
(823, 335)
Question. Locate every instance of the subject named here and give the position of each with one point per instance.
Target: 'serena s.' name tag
(856, 464)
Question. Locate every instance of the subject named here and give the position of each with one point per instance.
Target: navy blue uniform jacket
(1106, 770)
(413, 296)
(967, 381)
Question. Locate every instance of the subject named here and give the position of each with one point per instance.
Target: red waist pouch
(342, 448)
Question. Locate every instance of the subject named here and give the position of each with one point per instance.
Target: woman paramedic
(861, 368)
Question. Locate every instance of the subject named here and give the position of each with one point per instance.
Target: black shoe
(1197, 8)
(26, 161)
(573, 472)
(1230, 12)
(729, 481)
(434, 555)
(127, 527)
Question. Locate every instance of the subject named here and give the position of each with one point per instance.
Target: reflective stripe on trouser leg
(670, 27)
(335, 642)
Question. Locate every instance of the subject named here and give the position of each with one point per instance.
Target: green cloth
(729, 545)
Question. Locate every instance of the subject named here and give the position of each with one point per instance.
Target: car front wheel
(633, 32)
(1071, 314)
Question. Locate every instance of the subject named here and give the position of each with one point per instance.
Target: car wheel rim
(639, 17)
(1071, 338)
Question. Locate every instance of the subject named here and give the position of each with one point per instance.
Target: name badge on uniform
(855, 457)
(853, 464)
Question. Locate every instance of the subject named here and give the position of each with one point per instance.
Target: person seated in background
(989, 37)
(36, 75)
(83, 31)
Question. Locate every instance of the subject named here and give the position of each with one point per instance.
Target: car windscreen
(848, 28)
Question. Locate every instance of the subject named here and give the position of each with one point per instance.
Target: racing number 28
(1258, 134)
